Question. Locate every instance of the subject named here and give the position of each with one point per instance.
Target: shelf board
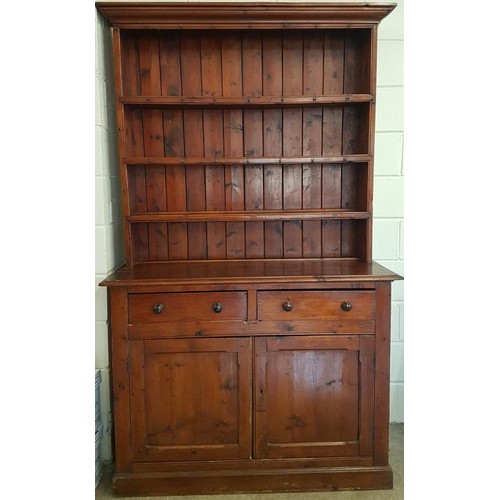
(242, 160)
(248, 216)
(240, 102)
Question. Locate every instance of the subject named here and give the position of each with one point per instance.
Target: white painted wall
(109, 253)
(388, 186)
(388, 197)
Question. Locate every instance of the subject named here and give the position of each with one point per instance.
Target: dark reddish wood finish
(290, 305)
(202, 410)
(307, 391)
(197, 105)
(248, 15)
(250, 329)
(178, 307)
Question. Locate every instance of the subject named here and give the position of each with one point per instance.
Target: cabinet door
(314, 396)
(191, 399)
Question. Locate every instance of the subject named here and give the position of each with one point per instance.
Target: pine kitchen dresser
(249, 326)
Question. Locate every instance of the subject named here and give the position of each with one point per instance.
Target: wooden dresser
(250, 329)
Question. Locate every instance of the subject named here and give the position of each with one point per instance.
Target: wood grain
(250, 331)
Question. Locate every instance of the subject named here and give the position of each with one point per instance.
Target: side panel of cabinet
(191, 399)
(314, 396)
(382, 373)
(117, 304)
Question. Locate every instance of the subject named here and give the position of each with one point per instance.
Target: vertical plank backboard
(312, 141)
(272, 55)
(170, 64)
(131, 76)
(292, 141)
(193, 142)
(211, 82)
(252, 141)
(234, 178)
(134, 146)
(173, 141)
(149, 63)
(333, 83)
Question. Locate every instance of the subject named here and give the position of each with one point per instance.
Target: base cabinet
(247, 398)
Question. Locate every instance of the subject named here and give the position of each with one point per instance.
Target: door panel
(191, 399)
(313, 396)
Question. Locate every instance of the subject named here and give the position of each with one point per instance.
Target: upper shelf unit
(246, 131)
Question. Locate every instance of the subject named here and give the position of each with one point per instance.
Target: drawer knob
(346, 306)
(217, 308)
(158, 308)
(287, 306)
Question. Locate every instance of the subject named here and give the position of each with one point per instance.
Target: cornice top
(237, 15)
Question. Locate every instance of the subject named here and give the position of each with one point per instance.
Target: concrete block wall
(388, 186)
(388, 197)
(109, 252)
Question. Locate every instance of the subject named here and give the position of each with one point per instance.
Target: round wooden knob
(158, 308)
(287, 306)
(346, 306)
(217, 308)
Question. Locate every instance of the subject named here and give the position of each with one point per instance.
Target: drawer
(316, 305)
(179, 307)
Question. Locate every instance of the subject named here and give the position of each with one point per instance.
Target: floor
(396, 440)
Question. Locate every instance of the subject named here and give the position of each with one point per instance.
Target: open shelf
(248, 216)
(280, 239)
(335, 130)
(245, 63)
(244, 160)
(297, 188)
(243, 102)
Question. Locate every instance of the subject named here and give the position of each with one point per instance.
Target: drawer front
(195, 306)
(316, 305)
